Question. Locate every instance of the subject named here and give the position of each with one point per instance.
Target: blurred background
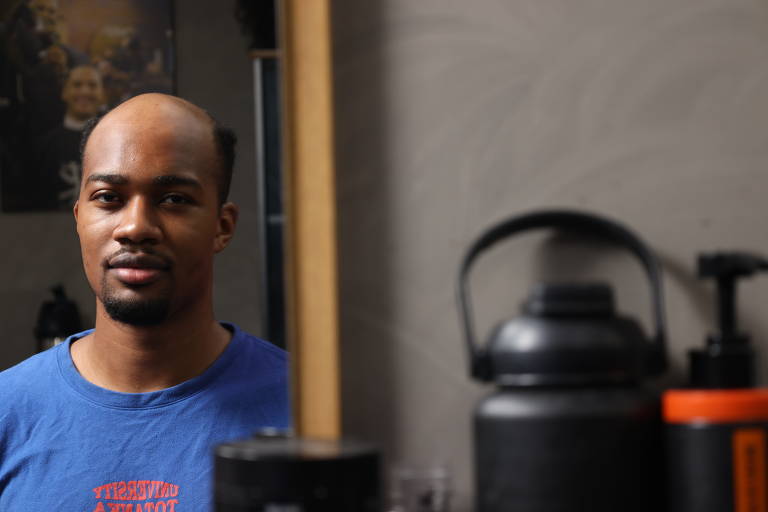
(450, 116)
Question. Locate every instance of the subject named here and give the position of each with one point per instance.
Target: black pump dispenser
(717, 428)
(727, 361)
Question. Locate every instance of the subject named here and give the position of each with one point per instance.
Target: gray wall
(452, 115)
(214, 71)
(41, 249)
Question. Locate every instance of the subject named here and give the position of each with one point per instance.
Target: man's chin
(137, 312)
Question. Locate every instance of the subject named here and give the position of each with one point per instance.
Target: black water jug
(572, 424)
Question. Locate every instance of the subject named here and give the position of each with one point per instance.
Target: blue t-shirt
(66, 444)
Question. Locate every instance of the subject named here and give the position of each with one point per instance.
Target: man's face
(148, 215)
(83, 93)
(45, 12)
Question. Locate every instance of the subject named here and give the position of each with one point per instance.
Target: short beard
(139, 313)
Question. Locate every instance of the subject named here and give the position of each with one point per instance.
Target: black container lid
(264, 448)
(570, 299)
(569, 334)
(723, 365)
(315, 475)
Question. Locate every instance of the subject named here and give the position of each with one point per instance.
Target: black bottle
(717, 427)
(571, 424)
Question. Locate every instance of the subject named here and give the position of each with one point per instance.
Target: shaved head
(162, 113)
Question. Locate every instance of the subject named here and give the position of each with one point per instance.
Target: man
(124, 417)
(56, 162)
(83, 94)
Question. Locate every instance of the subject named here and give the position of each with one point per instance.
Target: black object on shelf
(257, 22)
(717, 427)
(572, 423)
(279, 472)
(727, 361)
(58, 318)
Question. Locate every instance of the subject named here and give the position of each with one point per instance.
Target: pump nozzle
(727, 361)
(726, 268)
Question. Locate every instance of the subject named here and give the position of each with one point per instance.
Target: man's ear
(76, 212)
(228, 214)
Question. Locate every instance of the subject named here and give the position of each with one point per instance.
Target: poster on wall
(63, 62)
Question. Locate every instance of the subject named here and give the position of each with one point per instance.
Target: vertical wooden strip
(749, 470)
(312, 302)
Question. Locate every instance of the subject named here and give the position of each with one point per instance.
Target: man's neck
(132, 359)
(73, 123)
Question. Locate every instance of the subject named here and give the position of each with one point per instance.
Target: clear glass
(420, 489)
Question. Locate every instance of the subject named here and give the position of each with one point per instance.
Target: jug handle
(571, 220)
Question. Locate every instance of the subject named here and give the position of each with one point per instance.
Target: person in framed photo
(57, 157)
(42, 44)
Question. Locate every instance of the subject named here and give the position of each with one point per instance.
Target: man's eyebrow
(163, 180)
(112, 179)
(176, 180)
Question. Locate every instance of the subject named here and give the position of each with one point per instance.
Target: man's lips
(137, 269)
(137, 275)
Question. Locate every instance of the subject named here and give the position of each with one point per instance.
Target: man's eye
(106, 197)
(175, 199)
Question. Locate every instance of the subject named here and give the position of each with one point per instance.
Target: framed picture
(63, 62)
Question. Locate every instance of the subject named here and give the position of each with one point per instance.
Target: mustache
(145, 258)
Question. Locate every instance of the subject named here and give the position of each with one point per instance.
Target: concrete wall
(41, 249)
(214, 71)
(452, 115)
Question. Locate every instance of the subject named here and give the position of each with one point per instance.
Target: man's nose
(138, 223)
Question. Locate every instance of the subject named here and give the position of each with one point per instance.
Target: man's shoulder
(258, 363)
(29, 386)
(253, 372)
(31, 370)
(257, 347)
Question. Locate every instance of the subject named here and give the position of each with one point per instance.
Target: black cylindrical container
(571, 425)
(717, 444)
(296, 475)
(562, 450)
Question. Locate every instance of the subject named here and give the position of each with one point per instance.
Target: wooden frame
(310, 235)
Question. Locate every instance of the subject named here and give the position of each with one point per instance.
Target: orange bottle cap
(715, 405)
